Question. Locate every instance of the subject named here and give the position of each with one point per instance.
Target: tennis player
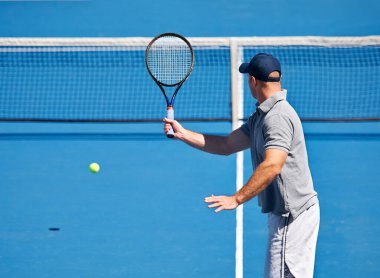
(281, 177)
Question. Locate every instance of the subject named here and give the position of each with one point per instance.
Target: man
(281, 179)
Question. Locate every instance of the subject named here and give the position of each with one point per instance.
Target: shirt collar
(270, 102)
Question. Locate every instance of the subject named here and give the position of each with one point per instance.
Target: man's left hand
(222, 202)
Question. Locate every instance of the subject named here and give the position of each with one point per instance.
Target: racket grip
(170, 116)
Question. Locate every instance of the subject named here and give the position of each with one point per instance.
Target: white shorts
(292, 244)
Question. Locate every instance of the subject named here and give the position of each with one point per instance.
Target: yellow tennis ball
(94, 167)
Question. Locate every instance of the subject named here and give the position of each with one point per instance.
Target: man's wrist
(184, 135)
(238, 198)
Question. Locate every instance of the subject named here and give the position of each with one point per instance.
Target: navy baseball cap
(261, 66)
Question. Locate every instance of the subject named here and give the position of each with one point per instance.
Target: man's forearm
(223, 145)
(261, 178)
(209, 143)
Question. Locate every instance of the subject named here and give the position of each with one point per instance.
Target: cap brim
(244, 68)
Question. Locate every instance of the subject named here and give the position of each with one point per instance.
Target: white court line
(237, 88)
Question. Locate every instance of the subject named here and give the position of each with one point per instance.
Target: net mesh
(169, 59)
(106, 83)
(327, 83)
(106, 79)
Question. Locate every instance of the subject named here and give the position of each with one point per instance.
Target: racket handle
(170, 116)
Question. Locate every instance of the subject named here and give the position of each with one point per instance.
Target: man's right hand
(177, 128)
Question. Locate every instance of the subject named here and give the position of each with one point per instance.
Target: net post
(236, 53)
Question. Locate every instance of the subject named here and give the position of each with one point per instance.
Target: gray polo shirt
(276, 125)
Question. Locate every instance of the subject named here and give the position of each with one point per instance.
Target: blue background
(111, 18)
(143, 215)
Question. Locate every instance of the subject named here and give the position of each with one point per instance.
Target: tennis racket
(169, 59)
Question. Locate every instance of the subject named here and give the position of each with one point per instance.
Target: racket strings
(170, 60)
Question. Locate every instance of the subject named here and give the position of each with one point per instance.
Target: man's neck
(267, 93)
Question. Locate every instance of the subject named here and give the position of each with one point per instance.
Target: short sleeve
(246, 127)
(278, 133)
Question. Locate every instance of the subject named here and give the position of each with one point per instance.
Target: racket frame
(161, 85)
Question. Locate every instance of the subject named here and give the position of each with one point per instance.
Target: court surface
(143, 215)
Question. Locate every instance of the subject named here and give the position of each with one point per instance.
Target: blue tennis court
(143, 215)
(74, 90)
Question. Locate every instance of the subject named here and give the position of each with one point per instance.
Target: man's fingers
(168, 121)
(217, 204)
(172, 124)
(219, 209)
(213, 199)
(214, 205)
(167, 127)
(168, 124)
(221, 202)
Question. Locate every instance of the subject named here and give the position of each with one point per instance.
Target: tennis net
(104, 79)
